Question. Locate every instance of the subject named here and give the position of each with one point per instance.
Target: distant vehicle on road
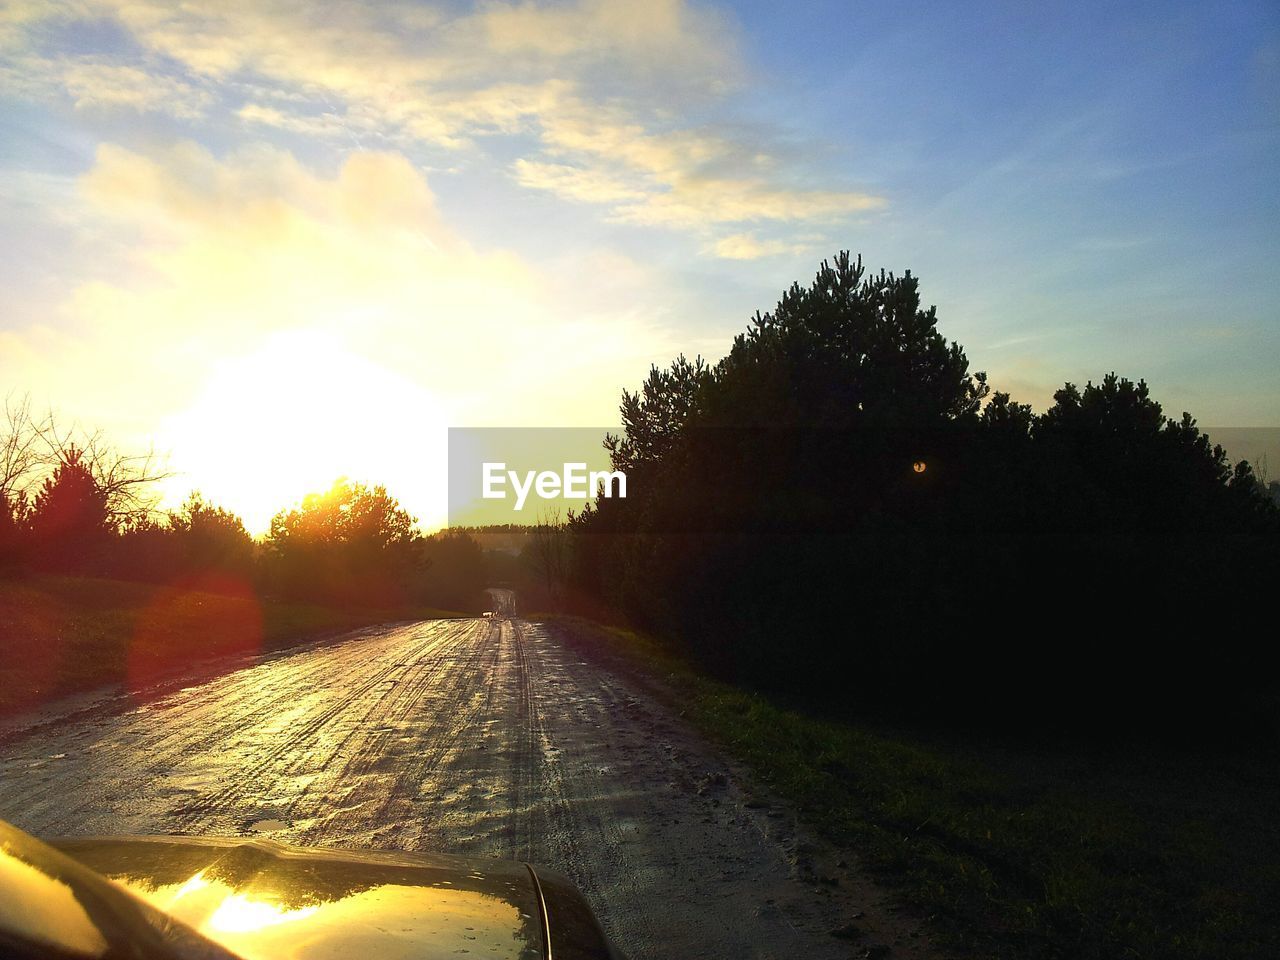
(504, 602)
(182, 898)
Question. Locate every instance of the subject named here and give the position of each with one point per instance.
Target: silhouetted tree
(128, 482)
(65, 493)
(845, 349)
(197, 543)
(455, 572)
(748, 479)
(213, 539)
(22, 459)
(548, 557)
(1004, 418)
(23, 454)
(352, 542)
(13, 541)
(840, 508)
(69, 519)
(654, 416)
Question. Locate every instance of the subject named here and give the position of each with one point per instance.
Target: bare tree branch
(550, 549)
(22, 460)
(129, 481)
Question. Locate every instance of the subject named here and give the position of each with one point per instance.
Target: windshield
(760, 480)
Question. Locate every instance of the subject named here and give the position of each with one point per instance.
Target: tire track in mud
(289, 750)
(149, 742)
(393, 700)
(466, 735)
(527, 757)
(224, 700)
(446, 714)
(576, 816)
(235, 731)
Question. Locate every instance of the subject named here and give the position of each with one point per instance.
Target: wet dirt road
(488, 738)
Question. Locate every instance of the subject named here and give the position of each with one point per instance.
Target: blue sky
(502, 214)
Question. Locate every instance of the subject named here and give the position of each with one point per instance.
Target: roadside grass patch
(61, 635)
(1011, 850)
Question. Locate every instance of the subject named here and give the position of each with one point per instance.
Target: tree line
(841, 510)
(72, 504)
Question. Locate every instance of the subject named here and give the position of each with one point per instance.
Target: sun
(298, 412)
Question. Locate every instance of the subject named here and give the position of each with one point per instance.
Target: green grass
(61, 635)
(1011, 851)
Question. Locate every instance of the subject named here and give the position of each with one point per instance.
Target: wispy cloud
(576, 183)
(747, 246)
(595, 95)
(101, 83)
(683, 178)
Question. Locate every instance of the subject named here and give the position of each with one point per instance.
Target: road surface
(480, 737)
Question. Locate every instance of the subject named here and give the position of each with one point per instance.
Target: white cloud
(674, 178)
(98, 84)
(747, 246)
(601, 88)
(576, 183)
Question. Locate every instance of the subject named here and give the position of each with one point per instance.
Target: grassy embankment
(1068, 851)
(62, 635)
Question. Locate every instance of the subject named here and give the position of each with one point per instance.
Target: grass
(61, 635)
(1012, 851)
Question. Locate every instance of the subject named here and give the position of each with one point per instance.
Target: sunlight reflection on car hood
(262, 900)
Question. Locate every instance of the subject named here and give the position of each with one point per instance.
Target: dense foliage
(839, 508)
(351, 542)
(83, 509)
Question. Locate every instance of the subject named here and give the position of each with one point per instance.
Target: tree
(70, 519)
(128, 482)
(654, 416)
(1005, 418)
(455, 571)
(353, 542)
(211, 539)
(750, 482)
(23, 454)
(346, 513)
(839, 508)
(848, 348)
(21, 462)
(1113, 458)
(548, 555)
(12, 526)
(65, 492)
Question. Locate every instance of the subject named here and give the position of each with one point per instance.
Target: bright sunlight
(294, 415)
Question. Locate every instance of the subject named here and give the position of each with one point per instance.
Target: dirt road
(481, 737)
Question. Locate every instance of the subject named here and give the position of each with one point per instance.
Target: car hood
(258, 899)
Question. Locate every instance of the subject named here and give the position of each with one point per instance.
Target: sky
(287, 242)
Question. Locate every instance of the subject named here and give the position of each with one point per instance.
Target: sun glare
(239, 914)
(289, 418)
